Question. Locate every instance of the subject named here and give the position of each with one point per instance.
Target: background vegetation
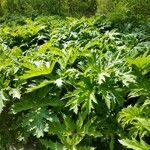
(115, 9)
(124, 9)
(59, 7)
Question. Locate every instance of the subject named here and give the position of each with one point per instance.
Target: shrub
(59, 7)
(125, 10)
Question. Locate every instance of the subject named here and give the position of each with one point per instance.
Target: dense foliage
(59, 7)
(74, 84)
(126, 10)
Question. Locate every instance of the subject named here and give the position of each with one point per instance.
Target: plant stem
(111, 144)
(73, 147)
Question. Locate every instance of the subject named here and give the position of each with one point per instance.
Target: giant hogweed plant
(135, 119)
(68, 89)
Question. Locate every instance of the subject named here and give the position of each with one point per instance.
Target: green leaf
(41, 85)
(134, 144)
(53, 145)
(142, 62)
(102, 76)
(15, 93)
(37, 71)
(2, 100)
(51, 49)
(36, 121)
